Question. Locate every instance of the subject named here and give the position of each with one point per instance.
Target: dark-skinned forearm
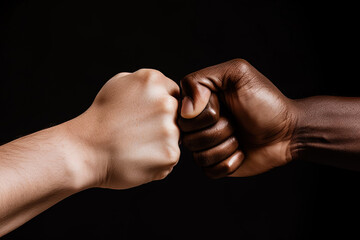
(328, 131)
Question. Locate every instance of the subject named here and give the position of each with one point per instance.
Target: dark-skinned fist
(235, 121)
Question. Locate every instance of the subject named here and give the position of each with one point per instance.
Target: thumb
(195, 97)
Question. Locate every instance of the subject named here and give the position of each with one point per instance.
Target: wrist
(287, 147)
(85, 160)
(327, 131)
(313, 128)
(300, 132)
(318, 129)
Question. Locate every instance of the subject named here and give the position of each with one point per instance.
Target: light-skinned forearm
(37, 171)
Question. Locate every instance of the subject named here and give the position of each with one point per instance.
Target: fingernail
(187, 107)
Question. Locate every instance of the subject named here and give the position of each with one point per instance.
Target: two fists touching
(234, 120)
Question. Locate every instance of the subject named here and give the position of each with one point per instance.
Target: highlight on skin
(270, 129)
(127, 137)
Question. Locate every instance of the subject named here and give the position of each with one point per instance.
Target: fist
(133, 128)
(252, 130)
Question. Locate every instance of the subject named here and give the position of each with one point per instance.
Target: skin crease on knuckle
(163, 90)
(168, 113)
(241, 64)
(154, 78)
(237, 67)
(169, 131)
(170, 157)
(170, 135)
(168, 105)
(226, 167)
(216, 154)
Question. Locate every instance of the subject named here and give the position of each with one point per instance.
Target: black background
(56, 55)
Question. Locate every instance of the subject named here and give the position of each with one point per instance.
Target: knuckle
(224, 127)
(174, 87)
(211, 115)
(234, 162)
(172, 155)
(186, 82)
(220, 170)
(189, 80)
(162, 175)
(213, 109)
(170, 131)
(240, 63)
(227, 167)
(239, 67)
(150, 75)
(168, 104)
(121, 74)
